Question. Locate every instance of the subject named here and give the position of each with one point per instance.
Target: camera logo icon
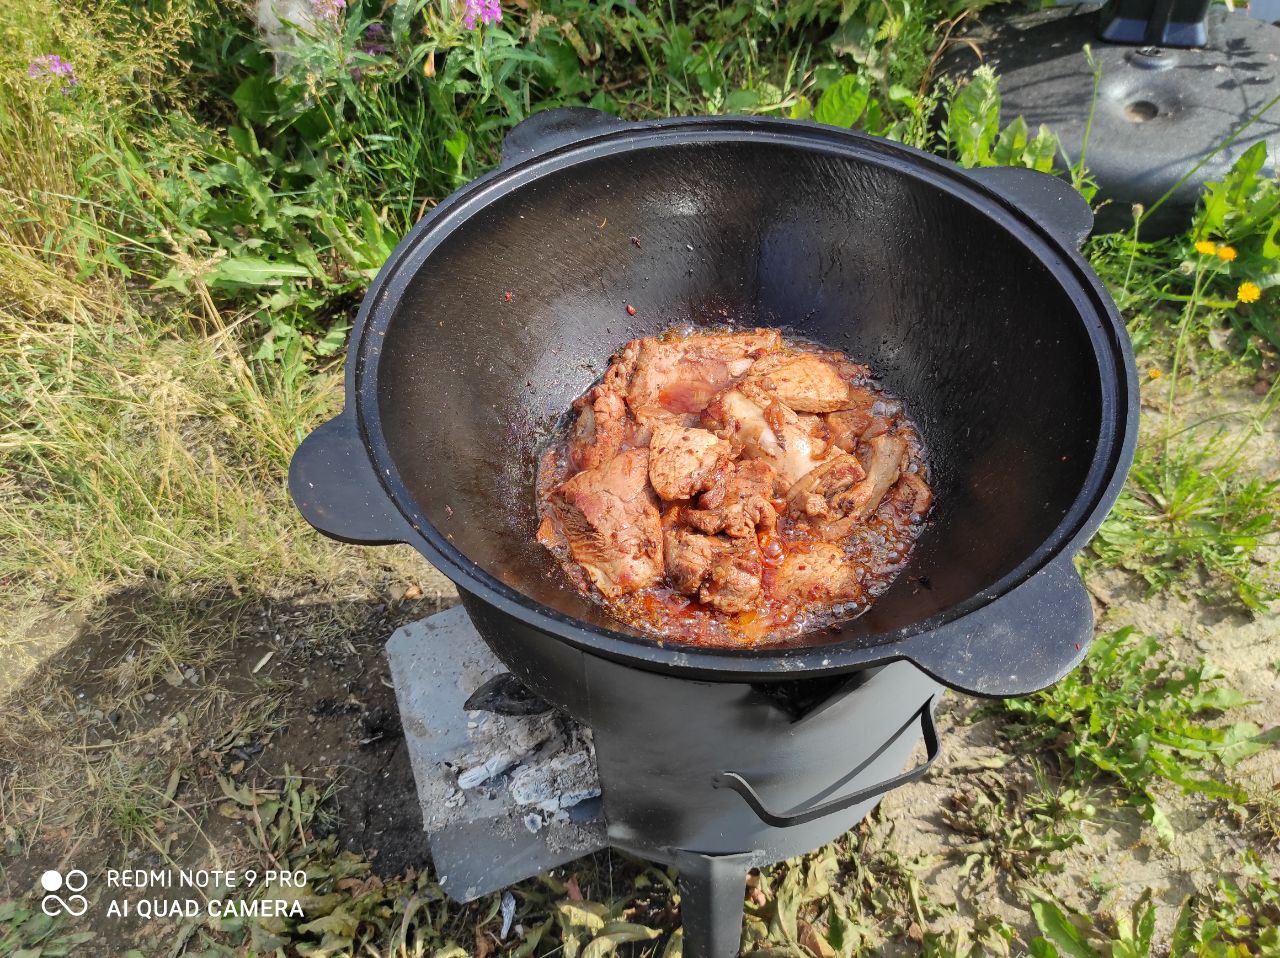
(74, 904)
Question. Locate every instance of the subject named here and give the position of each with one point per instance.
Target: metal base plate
(1159, 111)
(479, 840)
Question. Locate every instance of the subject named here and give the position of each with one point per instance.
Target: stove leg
(711, 893)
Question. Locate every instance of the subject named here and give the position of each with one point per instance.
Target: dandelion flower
(1154, 373)
(1249, 293)
(1206, 248)
(1227, 253)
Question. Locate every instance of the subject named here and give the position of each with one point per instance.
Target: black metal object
(663, 746)
(964, 289)
(1169, 23)
(778, 820)
(969, 304)
(1162, 107)
(505, 695)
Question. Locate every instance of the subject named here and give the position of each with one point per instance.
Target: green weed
(1190, 514)
(1011, 837)
(27, 931)
(1230, 921)
(1133, 715)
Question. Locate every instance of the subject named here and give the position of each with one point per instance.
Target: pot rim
(1102, 483)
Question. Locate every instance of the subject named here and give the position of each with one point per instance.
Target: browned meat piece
(734, 583)
(886, 457)
(689, 557)
(738, 502)
(681, 376)
(682, 461)
(724, 573)
(749, 415)
(601, 428)
(911, 497)
(611, 525)
(805, 382)
(819, 573)
(813, 494)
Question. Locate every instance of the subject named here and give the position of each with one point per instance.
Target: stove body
(711, 777)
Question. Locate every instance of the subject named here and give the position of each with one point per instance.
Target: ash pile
(507, 785)
(543, 760)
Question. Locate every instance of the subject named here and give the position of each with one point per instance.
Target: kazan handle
(333, 484)
(1054, 203)
(553, 128)
(925, 716)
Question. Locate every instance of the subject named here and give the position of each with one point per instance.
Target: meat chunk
(911, 497)
(819, 573)
(682, 461)
(805, 382)
(601, 428)
(751, 416)
(676, 377)
(739, 501)
(886, 457)
(724, 573)
(813, 495)
(611, 525)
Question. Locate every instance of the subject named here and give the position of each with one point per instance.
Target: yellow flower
(1154, 373)
(1205, 248)
(1248, 293)
(1226, 252)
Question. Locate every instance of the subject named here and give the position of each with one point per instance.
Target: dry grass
(131, 452)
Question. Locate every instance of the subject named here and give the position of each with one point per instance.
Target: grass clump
(128, 452)
(1012, 837)
(1191, 515)
(1133, 715)
(1237, 918)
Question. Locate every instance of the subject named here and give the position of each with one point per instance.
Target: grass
(1011, 837)
(1193, 515)
(1135, 716)
(183, 237)
(1230, 919)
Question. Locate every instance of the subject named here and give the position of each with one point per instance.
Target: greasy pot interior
(960, 319)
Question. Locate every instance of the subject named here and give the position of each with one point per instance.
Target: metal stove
(511, 787)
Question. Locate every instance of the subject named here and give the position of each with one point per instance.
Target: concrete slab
(483, 839)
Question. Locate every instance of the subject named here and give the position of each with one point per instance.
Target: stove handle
(737, 783)
(1054, 203)
(334, 486)
(552, 128)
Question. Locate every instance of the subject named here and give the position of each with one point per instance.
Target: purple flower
(51, 65)
(328, 10)
(488, 11)
(375, 35)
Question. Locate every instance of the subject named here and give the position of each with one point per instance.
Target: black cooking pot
(963, 289)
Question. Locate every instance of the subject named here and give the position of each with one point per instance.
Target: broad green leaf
(842, 103)
(1244, 746)
(973, 121)
(1050, 920)
(256, 271)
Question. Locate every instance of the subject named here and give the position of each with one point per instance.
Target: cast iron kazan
(963, 289)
